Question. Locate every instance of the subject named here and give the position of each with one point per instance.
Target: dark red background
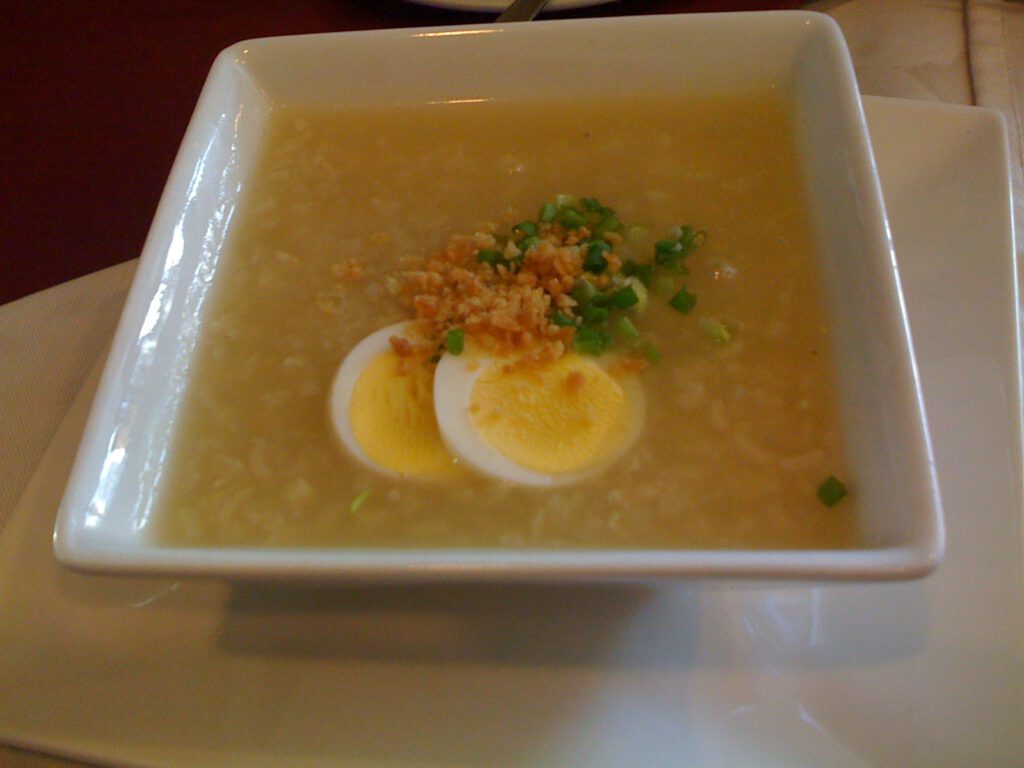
(97, 96)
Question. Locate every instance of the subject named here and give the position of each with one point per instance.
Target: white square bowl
(102, 521)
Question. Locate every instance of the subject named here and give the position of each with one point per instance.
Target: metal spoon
(522, 10)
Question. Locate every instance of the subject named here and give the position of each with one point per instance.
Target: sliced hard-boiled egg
(540, 425)
(384, 415)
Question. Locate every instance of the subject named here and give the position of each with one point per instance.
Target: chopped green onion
(455, 340)
(594, 315)
(645, 272)
(608, 224)
(652, 353)
(831, 492)
(624, 297)
(626, 329)
(671, 260)
(665, 258)
(588, 341)
(489, 256)
(640, 290)
(595, 263)
(571, 218)
(594, 260)
(666, 247)
(684, 301)
(358, 501)
(671, 252)
(664, 283)
(528, 242)
(583, 292)
(597, 318)
(716, 329)
(525, 228)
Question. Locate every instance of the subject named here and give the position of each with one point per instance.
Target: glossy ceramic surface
(103, 521)
(696, 674)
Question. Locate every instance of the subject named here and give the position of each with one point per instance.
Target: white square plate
(701, 674)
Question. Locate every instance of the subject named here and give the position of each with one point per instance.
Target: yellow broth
(738, 436)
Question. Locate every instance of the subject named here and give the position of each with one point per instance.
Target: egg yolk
(392, 419)
(558, 418)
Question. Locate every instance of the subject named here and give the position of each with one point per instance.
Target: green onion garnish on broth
(358, 501)
(528, 242)
(583, 292)
(624, 297)
(652, 353)
(588, 341)
(610, 223)
(665, 250)
(831, 491)
(640, 291)
(595, 261)
(570, 218)
(683, 302)
(626, 329)
(663, 283)
(620, 263)
(643, 272)
(715, 329)
(671, 251)
(455, 341)
(525, 228)
(562, 320)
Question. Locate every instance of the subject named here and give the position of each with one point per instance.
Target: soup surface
(740, 430)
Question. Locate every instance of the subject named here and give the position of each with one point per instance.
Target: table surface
(98, 94)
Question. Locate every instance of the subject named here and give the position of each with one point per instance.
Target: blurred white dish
(696, 674)
(497, 6)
